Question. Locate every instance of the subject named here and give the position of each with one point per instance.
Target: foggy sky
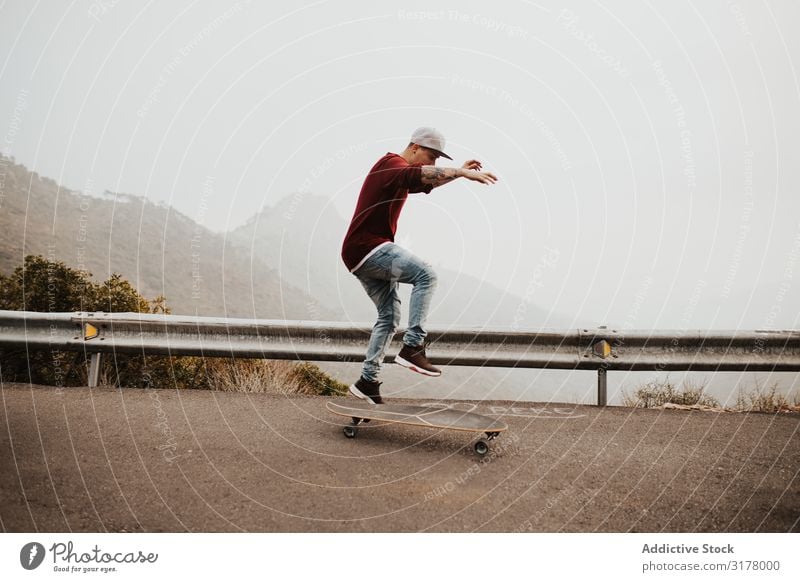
(647, 151)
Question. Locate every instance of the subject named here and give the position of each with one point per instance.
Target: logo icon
(31, 556)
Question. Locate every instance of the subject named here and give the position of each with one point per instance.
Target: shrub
(657, 393)
(270, 376)
(311, 380)
(765, 399)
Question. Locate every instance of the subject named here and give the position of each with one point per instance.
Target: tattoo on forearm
(438, 176)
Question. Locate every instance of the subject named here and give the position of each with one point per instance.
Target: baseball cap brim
(441, 153)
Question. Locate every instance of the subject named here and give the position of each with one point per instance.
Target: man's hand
(470, 170)
(482, 177)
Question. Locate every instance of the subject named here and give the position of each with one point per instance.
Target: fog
(647, 152)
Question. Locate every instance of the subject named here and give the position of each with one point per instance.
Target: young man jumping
(371, 255)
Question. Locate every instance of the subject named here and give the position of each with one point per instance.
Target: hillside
(159, 250)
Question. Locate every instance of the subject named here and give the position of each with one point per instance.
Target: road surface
(95, 460)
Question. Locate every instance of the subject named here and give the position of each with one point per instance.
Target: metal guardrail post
(94, 369)
(603, 349)
(602, 386)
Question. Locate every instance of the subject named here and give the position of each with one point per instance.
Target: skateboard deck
(425, 416)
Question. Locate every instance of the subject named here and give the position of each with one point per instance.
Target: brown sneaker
(366, 390)
(414, 359)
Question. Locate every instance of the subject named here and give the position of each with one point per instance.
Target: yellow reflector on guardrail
(90, 331)
(602, 349)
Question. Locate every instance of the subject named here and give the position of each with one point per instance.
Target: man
(371, 255)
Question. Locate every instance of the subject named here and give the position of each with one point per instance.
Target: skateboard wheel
(350, 432)
(481, 448)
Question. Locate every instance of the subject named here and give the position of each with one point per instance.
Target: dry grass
(662, 394)
(271, 377)
(766, 399)
(658, 393)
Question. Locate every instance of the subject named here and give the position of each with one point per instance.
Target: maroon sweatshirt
(381, 199)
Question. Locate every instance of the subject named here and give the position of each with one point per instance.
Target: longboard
(426, 416)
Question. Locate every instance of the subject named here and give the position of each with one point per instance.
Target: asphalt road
(90, 460)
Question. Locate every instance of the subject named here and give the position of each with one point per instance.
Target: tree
(44, 285)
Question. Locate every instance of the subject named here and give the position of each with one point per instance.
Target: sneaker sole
(359, 394)
(406, 364)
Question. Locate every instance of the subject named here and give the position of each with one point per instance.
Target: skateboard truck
(351, 430)
(481, 447)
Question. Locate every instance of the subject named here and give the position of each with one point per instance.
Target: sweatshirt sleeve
(401, 175)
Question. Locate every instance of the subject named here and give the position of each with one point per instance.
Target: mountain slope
(159, 250)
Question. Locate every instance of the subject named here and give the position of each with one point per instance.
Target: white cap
(430, 138)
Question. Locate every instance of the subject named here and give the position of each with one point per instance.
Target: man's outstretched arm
(439, 176)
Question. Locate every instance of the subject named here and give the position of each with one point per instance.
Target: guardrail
(577, 349)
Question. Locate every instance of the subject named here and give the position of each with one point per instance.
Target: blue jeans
(380, 275)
